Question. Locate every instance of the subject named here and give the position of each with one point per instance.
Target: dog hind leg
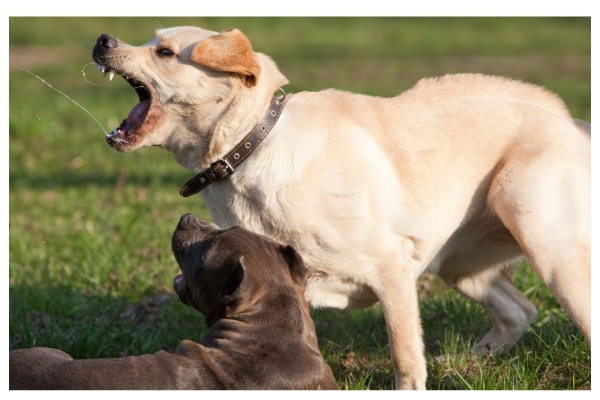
(544, 201)
(509, 310)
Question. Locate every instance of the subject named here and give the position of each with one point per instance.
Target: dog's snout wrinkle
(191, 230)
(207, 224)
(191, 221)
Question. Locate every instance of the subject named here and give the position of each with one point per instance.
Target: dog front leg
(397, 293)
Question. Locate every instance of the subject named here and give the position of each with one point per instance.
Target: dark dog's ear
(298, 270)
(229, 51)
(232, 286)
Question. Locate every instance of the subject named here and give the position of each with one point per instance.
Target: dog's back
(32, 369)
(455, 86)
(42, 368)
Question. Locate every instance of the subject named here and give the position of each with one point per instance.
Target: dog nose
(187, 219)
(106, 41)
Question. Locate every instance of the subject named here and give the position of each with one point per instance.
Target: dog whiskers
(102, 84)
(86, 79)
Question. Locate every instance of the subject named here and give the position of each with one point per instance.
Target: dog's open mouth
(138, 115)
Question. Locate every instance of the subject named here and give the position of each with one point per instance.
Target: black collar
(225, 166)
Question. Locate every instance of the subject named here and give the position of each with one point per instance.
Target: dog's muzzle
(104, 44)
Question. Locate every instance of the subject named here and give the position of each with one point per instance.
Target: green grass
(89, 257)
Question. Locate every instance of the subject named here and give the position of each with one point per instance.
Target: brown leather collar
(225, 166)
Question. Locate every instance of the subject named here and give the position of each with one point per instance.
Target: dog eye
(165, 52)
(212, 242)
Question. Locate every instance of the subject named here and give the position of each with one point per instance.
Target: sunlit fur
(457, 176)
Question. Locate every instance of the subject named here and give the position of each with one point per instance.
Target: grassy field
(90, 262)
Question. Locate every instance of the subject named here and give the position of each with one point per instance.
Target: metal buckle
(225, 164)
(282, 94)
(226, 167)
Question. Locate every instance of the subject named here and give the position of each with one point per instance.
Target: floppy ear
(229, 51)
(298, 270)
(231, 288)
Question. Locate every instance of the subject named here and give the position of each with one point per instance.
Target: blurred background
(90, 260)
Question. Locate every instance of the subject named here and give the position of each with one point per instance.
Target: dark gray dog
(261, 335)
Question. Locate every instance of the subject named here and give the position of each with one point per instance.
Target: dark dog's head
(226, 271)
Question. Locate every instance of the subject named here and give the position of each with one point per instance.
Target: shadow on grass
(91, 325)
(551, 355)
(69, 179)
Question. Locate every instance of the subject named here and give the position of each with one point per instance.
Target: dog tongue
(137, 114)
(179, 283)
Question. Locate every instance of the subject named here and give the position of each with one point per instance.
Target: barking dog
(261, 335)
(461, 175)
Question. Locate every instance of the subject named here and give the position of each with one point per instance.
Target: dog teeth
(113, 134)
(116, 135)
(106, 71)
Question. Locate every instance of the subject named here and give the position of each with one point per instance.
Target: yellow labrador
(461, 176)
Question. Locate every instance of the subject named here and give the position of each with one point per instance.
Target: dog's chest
(327, 253)
(230, 206)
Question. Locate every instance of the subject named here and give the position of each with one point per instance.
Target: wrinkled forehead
(235, 242)
(183, 35)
